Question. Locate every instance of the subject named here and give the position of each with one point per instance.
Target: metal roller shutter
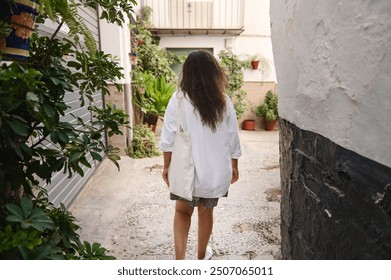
(63, 189)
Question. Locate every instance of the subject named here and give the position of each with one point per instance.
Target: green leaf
(27, 206)
(40, 220)
(26, 150)
(59, 164)
(115, 163)
(114, 157)
(14, 219)
(55, 81)
(79, 170)
(15, 210)
(75, 156)
(84, 161)
(95, 135)
(63, 137)
(74, 64)
(49, 110)
(54, 137)
(18, 127)
(48, 152)
(43, 251)
(28, 216)
(96, 156)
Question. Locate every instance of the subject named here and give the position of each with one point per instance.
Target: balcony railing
(196, 17)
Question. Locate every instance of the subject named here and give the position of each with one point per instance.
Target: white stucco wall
(115, 40)
(256, 40)
(333, 62)
(250, 45)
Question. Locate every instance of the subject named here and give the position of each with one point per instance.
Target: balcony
(196, 17)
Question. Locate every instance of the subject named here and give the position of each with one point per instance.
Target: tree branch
(52, 38)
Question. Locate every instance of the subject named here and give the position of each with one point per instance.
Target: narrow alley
(130, 214)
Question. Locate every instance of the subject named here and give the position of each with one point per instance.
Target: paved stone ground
(130, 214)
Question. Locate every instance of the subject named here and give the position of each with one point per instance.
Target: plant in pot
(254, 61)
(17, 20)
(268, 110)
(159, 97)
(249, 124)
(143, 143)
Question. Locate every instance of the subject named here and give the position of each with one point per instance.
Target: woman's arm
(167, 161)
(168, 134)
(235, 170)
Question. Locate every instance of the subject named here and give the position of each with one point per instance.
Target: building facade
(241, 26)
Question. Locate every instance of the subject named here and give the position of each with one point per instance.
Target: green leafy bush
(153, 78)
(234, 70)
(144, 143)
(36, 143)
(269, 108)
(37, 230)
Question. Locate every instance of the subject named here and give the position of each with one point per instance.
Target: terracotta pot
(22, 18)
(151, 119)
(249, 124)
(269, 125)
(133, 58)
(254, 64)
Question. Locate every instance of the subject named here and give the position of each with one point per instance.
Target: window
(184, 52)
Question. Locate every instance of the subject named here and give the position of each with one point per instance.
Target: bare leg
(182, 221)
(205, 225)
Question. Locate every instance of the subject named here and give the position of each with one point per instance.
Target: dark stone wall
(335, 203)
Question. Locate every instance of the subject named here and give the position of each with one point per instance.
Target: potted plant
(18, 18)
(268, 110)
(17, 21)
(151, 95)
(141, 81)
(254, 60)
(133, 58)
(151, 58)
(249, 124)
(143, 143)
(159, 97)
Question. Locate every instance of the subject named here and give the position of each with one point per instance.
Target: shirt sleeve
(169, 125)
(233, 131)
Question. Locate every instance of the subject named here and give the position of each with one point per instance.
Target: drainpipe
(100, 48)
(127, 85)
(129, 111)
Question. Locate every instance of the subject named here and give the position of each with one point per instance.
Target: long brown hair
(204, 81)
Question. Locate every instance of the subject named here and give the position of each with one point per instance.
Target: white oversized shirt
(212, 151)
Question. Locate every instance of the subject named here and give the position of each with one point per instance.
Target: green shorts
(206, 202)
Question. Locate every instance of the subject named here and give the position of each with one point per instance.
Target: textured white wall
(256, 17)
(256, 40)
(333, 62)
(115, 40)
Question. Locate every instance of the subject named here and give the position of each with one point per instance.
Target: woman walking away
(211, 122)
